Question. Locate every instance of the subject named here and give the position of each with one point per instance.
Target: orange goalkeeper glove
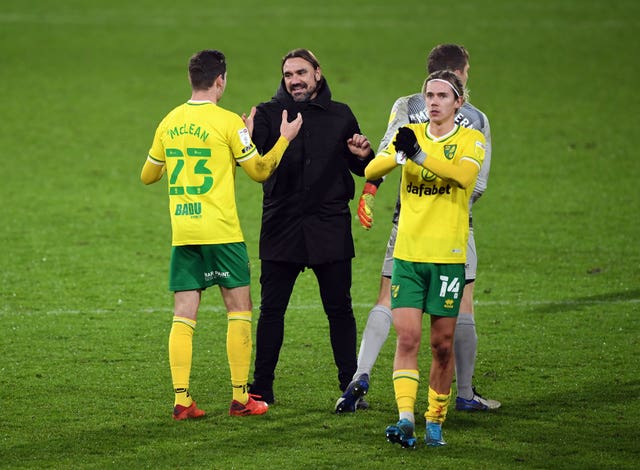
(365, 205)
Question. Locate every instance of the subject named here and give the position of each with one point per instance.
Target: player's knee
(408, 342)
(442, 352)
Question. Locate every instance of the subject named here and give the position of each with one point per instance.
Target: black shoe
(262, 394)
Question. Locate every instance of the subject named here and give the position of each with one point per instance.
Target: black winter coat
(305, 210)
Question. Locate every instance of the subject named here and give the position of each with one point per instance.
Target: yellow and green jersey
(200, 144)
(434, 220)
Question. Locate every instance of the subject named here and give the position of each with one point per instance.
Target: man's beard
(306, 95)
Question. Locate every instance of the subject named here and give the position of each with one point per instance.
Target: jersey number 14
(449, 286)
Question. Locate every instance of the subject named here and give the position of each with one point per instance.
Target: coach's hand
(407, 143)
(248, 120)
(365, 205)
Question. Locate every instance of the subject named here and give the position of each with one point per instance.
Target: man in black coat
(306, 220)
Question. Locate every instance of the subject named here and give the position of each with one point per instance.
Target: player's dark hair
(448, 76)
(304, 54)
(204, 67)
(447, 57)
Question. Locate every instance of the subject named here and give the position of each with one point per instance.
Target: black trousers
(277, 280)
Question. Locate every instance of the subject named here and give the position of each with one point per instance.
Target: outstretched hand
(289, 130)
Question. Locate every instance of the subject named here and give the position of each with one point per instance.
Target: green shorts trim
(195, 267)
(435, 289)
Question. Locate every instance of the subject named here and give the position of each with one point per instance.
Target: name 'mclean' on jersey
(200, 144)
(434, 220)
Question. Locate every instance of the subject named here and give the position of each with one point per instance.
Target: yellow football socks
(180, 349)
(239, 352)
(438, 406)
(405, 385)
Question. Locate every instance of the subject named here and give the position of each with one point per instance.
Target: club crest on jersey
(427, 175)
(450, 151)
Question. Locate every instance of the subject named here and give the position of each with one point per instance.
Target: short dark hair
(304, 54)
(204, 67)
(447, 57)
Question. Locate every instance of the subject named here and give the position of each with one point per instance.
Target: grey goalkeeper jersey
(412, 109)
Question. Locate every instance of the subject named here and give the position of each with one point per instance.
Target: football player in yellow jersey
(430, 252)
(198, 145)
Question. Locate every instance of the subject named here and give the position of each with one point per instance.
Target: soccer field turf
(84, 381)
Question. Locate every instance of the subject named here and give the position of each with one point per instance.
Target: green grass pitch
(85, 314)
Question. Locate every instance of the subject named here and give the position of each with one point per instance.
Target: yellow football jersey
(200, 143)
(434, 219)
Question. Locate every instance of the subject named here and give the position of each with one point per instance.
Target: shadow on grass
(632, 296)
